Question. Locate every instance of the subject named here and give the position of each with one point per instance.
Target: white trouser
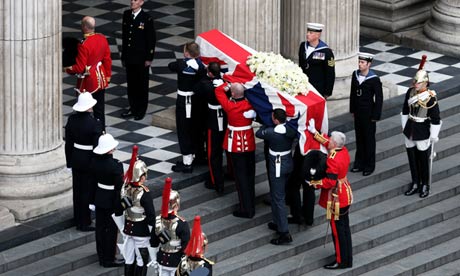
(167, 271)
(421, 145)
(132, 245)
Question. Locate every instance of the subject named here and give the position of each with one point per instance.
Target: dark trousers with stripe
(341, 236)
(244, 168)
(137, 77)
(215, 150)
(83, 195)
(106, 235)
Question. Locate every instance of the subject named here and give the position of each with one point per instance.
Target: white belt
(106, 187)
(214, 107)
(233, 128)
(417, 119)
(82, 147)
(280, 153)
(185, 93)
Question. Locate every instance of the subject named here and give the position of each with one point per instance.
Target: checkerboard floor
(174, 25)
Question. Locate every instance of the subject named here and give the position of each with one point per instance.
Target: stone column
(33, 178)
(444, 24)
(341, 33)
(255, 23)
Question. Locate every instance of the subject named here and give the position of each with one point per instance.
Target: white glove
(250, 114)
(311, 126)
(217, 82)
(69, 170)
(192, 63)
(92, 207)
(434, 140)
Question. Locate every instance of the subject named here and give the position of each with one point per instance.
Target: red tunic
(239, 135)
(93, 52)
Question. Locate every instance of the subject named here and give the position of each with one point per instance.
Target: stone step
(373, 215)
(95, 269)
(451, 268)
(437, 220)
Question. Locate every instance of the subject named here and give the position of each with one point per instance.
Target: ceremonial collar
(321, 45)
(371, 74)
(88, 34)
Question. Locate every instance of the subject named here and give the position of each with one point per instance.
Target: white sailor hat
(106, 143)
(315, 27)
(366, 56)
(85, 102)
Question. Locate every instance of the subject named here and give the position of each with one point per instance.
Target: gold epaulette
(320, 138)
(316, 183)
(145, 188)
(332, 154)
(209, 261)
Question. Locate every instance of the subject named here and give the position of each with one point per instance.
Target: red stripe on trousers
(336, 239)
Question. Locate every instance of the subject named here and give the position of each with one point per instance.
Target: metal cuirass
(187, 265)
(168, 226)
(136, 212)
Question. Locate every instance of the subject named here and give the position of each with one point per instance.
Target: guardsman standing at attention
(139, 217)
(336, 195)
(108, 173)
(171, 233)
(421, 124)
(317, 60)
(366, 100)
(93, 65)
(138, 48)
(81, 137)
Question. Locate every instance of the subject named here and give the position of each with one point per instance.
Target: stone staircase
(392, 234)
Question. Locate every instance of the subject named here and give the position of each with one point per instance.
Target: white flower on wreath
(278, 72)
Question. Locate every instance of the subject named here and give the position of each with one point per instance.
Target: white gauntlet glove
(311, 126)
(250, 114)
(217, 82)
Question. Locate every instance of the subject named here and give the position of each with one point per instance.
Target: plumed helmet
(139, 169)
(198, 241)
(174, 201)
(421, 76)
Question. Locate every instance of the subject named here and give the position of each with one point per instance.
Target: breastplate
(168, 226)
(136, 212)
(187, 265)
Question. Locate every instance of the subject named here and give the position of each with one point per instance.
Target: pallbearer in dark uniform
(138, 48)
(189, 71)
(108, 173)
(317, 60)
(239, 142)
(171, 233)
(421, 125)
(93, 65)
(366, 100)
(216, 125)
(139, 217)
(336, 195)
(81, 136)
(279, 139)
(194, 260)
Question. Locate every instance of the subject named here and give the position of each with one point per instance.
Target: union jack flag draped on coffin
(217, 46)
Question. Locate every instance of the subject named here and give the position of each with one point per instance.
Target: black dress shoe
(284, 238)
(354, 170)
(240, 214)
(127, 114)
(86, 228)
(208, 185)
(272, 226)
(294, 220)
(139, 117)
(336, 265)
(181, 167)
(366, 173)
(412, 190)
(425, 191)
(115, 263)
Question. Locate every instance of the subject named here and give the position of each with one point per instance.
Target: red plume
(195, 245)
(422, 62)
(129, 173)
(165, 200)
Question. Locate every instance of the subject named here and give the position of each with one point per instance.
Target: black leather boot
(414, 172)
(129, 269)
(413, 189)
(142, 270)
(424, 158)
(424, 191)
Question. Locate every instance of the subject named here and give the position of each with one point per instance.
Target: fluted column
(255, 23)
(33, 178)
(341, 33)
(444, 24)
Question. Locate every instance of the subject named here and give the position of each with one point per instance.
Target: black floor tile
(129, 125)
(406, 61)
(408, 72)
(134, 138)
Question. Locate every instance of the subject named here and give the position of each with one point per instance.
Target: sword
(432, 156)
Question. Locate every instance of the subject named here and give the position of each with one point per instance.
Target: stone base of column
(343, 70)
(35, 184)
(6, 218)
(165, 119)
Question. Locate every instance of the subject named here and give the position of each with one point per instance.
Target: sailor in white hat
(366, 99)
(81, 137)
(108, 174)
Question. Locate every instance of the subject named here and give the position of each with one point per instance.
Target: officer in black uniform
(317, 60)
(421, 125)
(366, 99)
(81, 136)
(138, 47)
(188, 122)
(279, 139)
(216, 125)
(139, 217)
(108, 173)
(171, 234)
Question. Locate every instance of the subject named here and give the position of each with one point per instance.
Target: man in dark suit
(366, 99)
(138, 47)
(81, 136)
(317, 60)
(108, 173)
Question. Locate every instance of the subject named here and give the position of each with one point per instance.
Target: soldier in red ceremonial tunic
(93, 65)
(336, 195)
(239, 142)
